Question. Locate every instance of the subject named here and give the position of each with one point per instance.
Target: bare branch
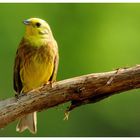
(80, 90)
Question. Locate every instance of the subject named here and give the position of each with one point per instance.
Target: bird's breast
(38, 67)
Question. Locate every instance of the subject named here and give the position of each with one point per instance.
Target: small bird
(36, 64)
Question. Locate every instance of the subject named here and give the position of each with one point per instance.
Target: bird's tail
(28, 122)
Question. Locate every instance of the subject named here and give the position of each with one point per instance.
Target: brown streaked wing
(56, 62)
(17, 66)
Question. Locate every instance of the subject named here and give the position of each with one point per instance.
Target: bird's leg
(36, 90)
(51, 83)
(19, 95)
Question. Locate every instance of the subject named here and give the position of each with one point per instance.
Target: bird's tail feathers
(28, 122)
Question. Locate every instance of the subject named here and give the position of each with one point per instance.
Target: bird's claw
(37, 90)
(51, 83)
(19, 95)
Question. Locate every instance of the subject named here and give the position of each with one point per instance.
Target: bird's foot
(51, 83)
(37, 90)
(21, 94)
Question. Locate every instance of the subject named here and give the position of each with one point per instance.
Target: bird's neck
(37, 41)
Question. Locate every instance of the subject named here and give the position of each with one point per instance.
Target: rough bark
(80, 90)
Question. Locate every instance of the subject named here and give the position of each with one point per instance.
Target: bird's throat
(36, 41)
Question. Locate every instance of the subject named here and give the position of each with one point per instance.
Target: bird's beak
(26, 22)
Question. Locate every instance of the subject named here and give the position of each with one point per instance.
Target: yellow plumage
(39, 69)
(36, 64)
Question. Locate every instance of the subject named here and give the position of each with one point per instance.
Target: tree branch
(80, 90)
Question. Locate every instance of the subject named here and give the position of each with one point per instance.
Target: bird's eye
(38, 24)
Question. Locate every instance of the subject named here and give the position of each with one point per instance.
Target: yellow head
(37, 31)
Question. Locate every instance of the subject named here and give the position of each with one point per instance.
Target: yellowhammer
(36, 64)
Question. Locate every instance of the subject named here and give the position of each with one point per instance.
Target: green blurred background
(91, 38)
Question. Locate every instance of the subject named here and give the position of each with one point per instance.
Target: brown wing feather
(56, 62)
(17, 80)
(17, 66)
